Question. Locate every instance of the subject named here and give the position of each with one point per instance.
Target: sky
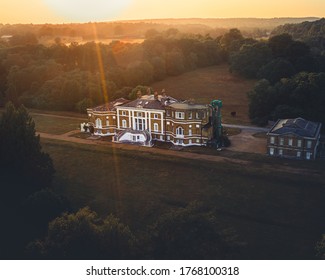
(67, 11)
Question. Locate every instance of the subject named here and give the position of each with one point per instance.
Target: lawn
(207, 84)
(55, 125)
(279, 215)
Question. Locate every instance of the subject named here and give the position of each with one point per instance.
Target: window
(155, 127)
(155, 116)
(190, 126)
(281, 141)
(197, 126)
(271, 151)
(168, 113)
(168, 123)
(299, 143)
(99, 123)
(123, 113)
(197, 140)
(180, 131)
(190, 132)
(197, 115)
(180, 115)
(280, 152)
(189, 115)
(168, 137)
(139, 114)
(124, 123)
(308, 154)
(308, 144)
(272, 140)
(290, 141)
(107, 123)
(298, 154)
(190, 141)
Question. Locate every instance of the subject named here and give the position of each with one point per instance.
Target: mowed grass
(207, 84)
(279, 215)
(55, 125)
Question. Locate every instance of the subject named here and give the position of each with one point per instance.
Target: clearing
(207, 84)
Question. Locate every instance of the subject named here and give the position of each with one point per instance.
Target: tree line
(62, 77)
(290, 73)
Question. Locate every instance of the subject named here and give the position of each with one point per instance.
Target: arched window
(179, 131)
(124, 123)
(99, 123)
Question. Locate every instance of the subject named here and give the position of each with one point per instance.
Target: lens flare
(88, 10)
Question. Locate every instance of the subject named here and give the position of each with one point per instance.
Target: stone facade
(152, 117)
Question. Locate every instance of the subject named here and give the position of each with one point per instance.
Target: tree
(143, 90)
(24, 167)
(261, 102)
(230, 38)
(250, 59)
(191, 233)
(83, 235)
(276, 69)
(320, 248)
(279, 44)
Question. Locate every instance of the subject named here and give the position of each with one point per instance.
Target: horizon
(165, 19)
(83, 11)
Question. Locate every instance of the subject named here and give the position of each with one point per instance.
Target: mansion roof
(158, 102)
(299, 127)
(110, 106)
(153, 102)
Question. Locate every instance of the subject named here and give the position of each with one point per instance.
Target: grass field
(279, 215)
(207, 84)
(55, 125)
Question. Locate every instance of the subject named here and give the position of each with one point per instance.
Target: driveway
(245, 141)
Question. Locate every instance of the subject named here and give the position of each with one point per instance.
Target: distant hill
(233, 22)
(303, 30)
(136, 29)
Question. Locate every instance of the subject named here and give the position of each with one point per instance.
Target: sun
(88, 10)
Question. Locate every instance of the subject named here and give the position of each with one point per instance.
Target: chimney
(139, 94)
(163, 92)
(156, 95)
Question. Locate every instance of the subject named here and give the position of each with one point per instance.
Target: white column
(117, 118)
(162, 122)
(133, 120)
(149, 120)
(129, 111)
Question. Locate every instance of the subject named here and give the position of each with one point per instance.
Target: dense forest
(291, 73)
(62, 77)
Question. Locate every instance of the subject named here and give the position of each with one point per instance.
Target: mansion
(152, 117)
(294, 138)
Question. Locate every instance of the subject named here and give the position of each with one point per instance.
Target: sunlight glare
(86, 10)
